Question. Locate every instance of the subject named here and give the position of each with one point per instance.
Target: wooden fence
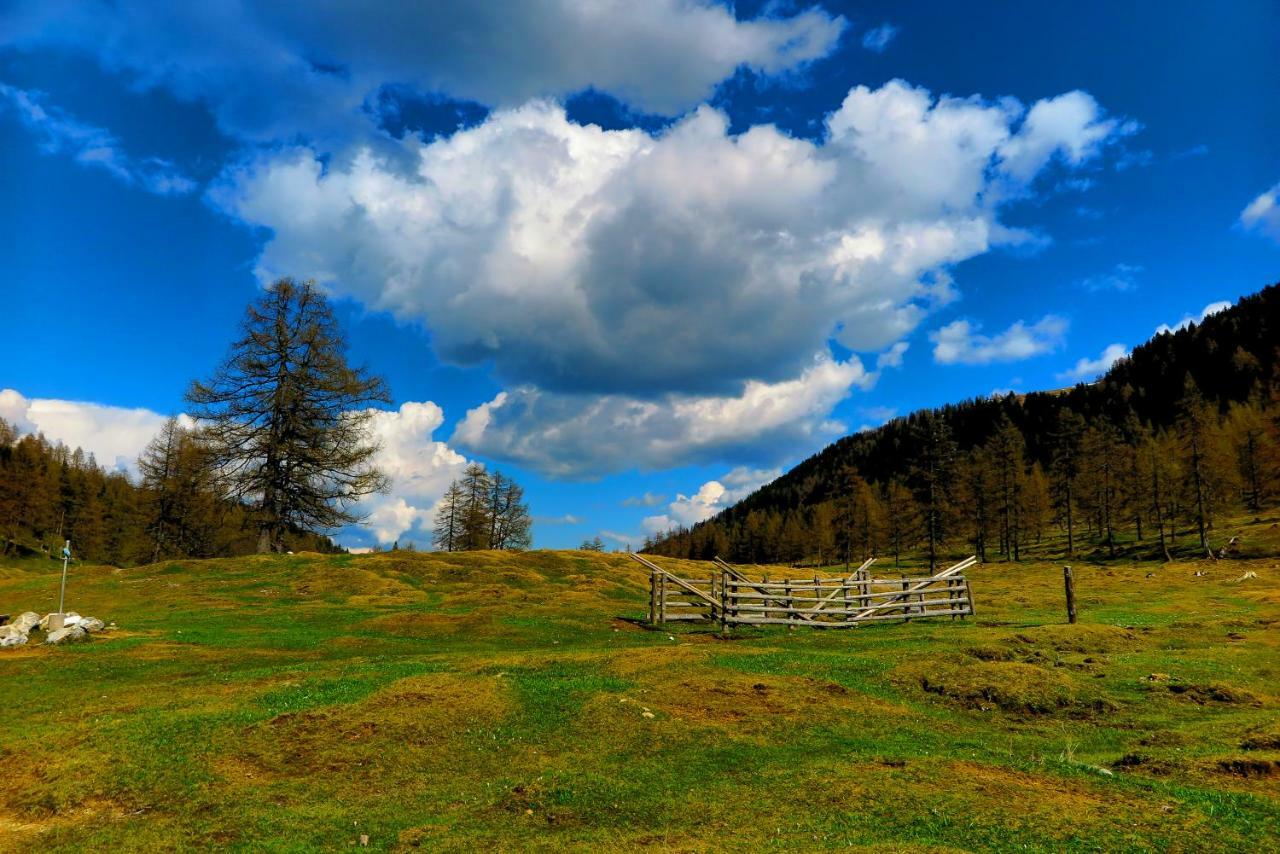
(731, 598)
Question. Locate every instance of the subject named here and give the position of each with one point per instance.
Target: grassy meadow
(516, 702)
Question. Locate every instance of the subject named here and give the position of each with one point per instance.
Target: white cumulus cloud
(115, 435)
(959, 342)
(577, 259)
(583, 436)
(712, 497)
(1087, 369)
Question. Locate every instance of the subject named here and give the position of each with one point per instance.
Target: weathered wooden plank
(818, 624)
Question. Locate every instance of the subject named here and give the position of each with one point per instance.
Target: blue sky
(640, 256)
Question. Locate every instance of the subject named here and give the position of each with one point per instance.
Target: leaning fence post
(1070, 582)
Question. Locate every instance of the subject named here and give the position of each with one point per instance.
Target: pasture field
(516, 702)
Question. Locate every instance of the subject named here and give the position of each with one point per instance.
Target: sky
(641, 257)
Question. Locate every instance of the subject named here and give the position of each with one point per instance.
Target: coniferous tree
(447, 533)
(902, 519)
(1196, 429)
(287, 419)
(932, 478)
(511, 526)
(1036, 503)
(1065, 468)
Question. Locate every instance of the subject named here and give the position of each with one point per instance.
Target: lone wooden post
(1070, 581)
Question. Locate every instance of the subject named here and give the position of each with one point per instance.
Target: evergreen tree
(932, 477)
(447, 533)
(1065, 468)
(287, 419)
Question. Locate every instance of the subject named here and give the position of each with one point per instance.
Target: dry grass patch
(1007, 686)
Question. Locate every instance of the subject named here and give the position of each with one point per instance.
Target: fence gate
(731, 598)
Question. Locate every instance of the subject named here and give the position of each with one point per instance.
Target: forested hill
(1228, 358)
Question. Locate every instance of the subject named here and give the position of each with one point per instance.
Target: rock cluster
(74, 628)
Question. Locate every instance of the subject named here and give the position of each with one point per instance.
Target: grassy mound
(1008, 686)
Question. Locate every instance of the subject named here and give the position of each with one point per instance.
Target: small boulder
(26, 622)
(91, 624)
(67, 634)
(9, 640)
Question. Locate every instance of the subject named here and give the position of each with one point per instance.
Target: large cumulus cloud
(576, 259)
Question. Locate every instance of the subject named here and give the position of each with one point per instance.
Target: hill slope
(1231, 357)
(469, 700)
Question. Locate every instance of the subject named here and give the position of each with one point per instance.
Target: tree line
(1122, 464)
(50, 493)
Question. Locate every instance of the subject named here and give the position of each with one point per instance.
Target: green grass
(454, 702)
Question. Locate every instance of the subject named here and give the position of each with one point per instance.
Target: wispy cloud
(649, 499)
(1122, 277)
(61, 133)
(1263, 214)
(878, 38)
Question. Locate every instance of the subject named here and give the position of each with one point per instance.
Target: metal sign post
(66, 556)
(56, 621)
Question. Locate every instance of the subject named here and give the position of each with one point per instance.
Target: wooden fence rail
(731, 598)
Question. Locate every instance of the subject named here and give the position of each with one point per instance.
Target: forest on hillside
(1179, 433)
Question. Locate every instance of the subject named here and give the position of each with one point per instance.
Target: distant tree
(447, 534)
(1161, 469)
(1202, 448)
(1102, 467)
(287, 419)
(511, 527)
(1065, 468)
(180, 487)
(902, 519)
(932, 477)
(1036, 503)
(1007, 451)
(1246, 428)
(595, 544)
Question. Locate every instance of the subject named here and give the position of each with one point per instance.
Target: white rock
(12, 640)
(26, 621)
(68, 634)
(91, 624)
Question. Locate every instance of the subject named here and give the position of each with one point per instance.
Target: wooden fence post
(662, 597)
(791, 610)
(906, 604)
(1070, 581)
(653, 598)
